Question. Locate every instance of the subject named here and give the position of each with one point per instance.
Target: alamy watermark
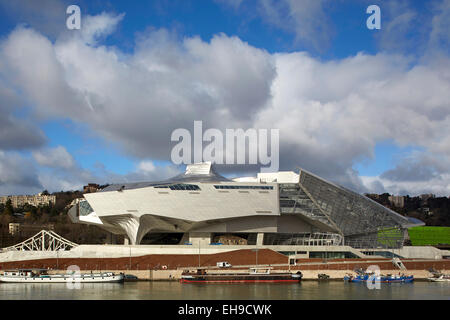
(236, 146)
(374, 280)
(74, 20)
(374, 20)
(73, 273)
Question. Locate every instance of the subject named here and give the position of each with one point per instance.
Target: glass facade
(84, 208)
(332, 255)
(386, 254)
(359, 220)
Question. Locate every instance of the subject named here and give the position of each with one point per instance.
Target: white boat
(41, 276)
(441, 278)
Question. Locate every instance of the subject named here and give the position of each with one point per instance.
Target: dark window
(181, 186)
(243, 187)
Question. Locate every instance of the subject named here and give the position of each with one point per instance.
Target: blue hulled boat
(382, 279)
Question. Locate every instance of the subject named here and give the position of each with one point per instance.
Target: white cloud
(28, 61)
(439, 186)
(54, 157)
(330, 114)
(47, 16)
(146, 166)
(17, 174)
(94, 28)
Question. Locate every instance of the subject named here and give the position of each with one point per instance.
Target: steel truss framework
(362, 222)
(43, 241)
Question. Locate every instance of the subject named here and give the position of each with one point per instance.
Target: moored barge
(255, 275)
(41, 276)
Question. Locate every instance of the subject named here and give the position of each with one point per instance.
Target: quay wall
(169, 266)
(175, 275)
(124, 251)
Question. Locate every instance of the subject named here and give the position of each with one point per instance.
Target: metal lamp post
(256, 256)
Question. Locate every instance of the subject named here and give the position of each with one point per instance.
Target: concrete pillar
(259, 239)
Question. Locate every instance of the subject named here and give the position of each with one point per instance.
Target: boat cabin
(260, 270)
(24, 272)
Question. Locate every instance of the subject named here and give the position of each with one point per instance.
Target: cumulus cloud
(98, 27)
(148, 171)
(17, 174)
(417, 173)
(54, 157)
(333, 113)
(64, 173)
(47, 16)
(29, 63)
(146, 166)
(167, 84)
(330, 114)
(16, 133)
(438, 185)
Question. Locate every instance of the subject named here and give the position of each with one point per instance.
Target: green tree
(53, 212)
(9, 210)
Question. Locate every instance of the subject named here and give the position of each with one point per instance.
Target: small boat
(255, 275)
(42, 276)
(323, 276)
(130, 278)
(439, 277)
(382, 278)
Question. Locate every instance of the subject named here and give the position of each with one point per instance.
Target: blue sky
(329, 36)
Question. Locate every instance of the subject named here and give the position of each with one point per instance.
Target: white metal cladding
(208, 203)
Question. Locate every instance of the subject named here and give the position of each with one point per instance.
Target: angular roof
(198, 172)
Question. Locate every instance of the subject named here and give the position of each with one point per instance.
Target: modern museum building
(297, 210)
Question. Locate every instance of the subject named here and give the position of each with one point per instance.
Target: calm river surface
(307, 290)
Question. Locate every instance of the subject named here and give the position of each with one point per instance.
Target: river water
(307, 290)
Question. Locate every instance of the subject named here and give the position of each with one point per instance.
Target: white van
(223, 264)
